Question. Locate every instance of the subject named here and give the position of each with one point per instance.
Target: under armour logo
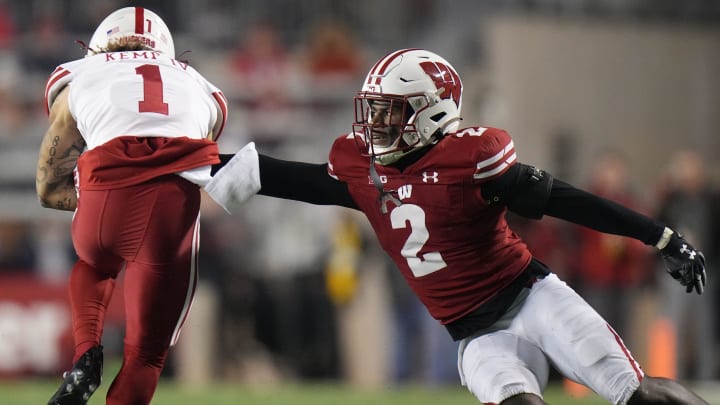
(691, 253)
(433, 177)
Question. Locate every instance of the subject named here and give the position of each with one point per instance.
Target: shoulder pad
(493, 151)
(345, 160)
(59, 78)
(495, 154)
(221, 103)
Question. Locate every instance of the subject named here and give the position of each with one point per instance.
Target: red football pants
(152, 231)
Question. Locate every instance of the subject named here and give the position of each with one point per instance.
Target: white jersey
(109, 92)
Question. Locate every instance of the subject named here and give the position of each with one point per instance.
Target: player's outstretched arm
(290, 180)
(301, 181)
(532, 195)
(59, 151)
(683, 262)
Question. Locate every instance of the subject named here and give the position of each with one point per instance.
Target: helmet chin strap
(384, 196)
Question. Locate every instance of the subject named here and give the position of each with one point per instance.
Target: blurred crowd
(290, 89)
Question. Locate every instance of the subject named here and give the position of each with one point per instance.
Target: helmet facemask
(393, 135)
(426, 95)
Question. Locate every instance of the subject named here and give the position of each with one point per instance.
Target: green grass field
(38, 391)
(169, 393)
(28, 392)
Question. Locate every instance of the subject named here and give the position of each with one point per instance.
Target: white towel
(237, 181)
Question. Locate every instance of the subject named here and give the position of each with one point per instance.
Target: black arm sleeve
(603, 215)
(302, 181)
(523, 189)
(561, 200)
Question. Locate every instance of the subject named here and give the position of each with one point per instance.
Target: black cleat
(80, 382)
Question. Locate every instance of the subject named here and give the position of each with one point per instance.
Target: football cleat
(80, 382)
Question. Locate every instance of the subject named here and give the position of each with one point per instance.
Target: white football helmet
(430, 92)
(136, 22)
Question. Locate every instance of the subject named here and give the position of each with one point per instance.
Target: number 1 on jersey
(152, 90)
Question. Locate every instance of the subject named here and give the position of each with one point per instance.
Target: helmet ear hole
(438, 117)
(409, 111)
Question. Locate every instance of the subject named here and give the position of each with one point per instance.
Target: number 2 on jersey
(430, 262)
(152, 90)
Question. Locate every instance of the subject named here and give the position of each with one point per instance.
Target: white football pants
(548, 324)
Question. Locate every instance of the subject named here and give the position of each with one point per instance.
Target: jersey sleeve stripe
(222, 102)
(496, 164)
(498, 169)
(331, 171)
(497, 157)
(57, 69)
(58, 74)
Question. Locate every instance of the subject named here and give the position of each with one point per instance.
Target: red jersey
(455, 251)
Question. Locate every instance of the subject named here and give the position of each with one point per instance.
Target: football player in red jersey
(141, 127)
(436, 196)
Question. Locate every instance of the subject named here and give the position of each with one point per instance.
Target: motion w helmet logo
(444, 77)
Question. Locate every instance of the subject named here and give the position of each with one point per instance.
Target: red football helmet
(420, 86)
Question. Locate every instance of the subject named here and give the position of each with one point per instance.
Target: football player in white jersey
(131, 136)
(436, 196)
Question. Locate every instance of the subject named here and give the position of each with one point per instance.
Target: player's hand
(684, 263)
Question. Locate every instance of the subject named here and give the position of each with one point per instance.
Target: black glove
(684, 263)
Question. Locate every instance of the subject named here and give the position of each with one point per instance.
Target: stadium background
(571, 80)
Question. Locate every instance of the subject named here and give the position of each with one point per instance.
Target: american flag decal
(112, 31)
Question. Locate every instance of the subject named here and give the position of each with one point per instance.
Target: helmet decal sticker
(444, 77)
(139, 20)
(377, 73)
